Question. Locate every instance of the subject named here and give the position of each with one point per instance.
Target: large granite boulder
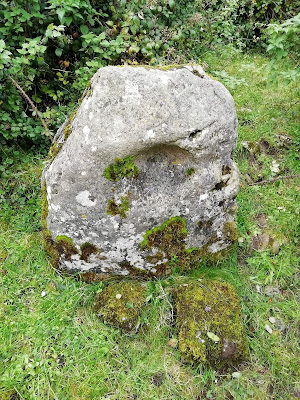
(141, 177)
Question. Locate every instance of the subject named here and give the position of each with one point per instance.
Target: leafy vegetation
(50, 49)
(53, 345)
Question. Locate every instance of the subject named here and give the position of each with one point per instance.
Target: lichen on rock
(210, 323)
(120, 304)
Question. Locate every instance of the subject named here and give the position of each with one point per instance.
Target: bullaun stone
(141, 177)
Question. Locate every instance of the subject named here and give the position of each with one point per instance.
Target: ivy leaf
(213, 337)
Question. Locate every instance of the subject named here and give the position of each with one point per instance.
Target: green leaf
(2, 45)
(68, 20)
(84, 29)
(58, 52)
(213, 337)
(60, 13)
(172, 3)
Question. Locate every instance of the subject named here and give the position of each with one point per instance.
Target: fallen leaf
(236, 374)
(213, 337)
(272, 320)
(118, 296)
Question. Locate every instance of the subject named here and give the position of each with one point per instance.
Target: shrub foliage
(51, 48)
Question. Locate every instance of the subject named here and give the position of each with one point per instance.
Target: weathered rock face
(142, 179)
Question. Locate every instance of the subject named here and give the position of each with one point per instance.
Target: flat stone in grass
(120, 304)
(210, 323)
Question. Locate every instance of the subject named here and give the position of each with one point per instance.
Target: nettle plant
(283, 43)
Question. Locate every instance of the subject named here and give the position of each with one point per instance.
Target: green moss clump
(169, 239)
(65, 246)
(190, 171)
(118, 209)
(54, 150)
(230, 231)
(67, 130)
(120, 304)
(210, 323)
(122, 168)
(9, 395)
(86, 250)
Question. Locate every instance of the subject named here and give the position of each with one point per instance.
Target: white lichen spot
(150, 135)
(83, 173)
(48, 193)
(86, 130)
(91, 115)
(94, 148)
(164, 79)
(203, 197)
(84, 198)
(87, 103)
(131, 90)
(55, 207)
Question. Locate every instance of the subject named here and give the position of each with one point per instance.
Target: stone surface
(141, 177)
(210, 323)
(120, 304)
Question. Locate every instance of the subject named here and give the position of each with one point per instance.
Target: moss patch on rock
(120, 304)
(9, 395)
(210, 323)
(86, 250)
(63, 244)
(120, 208)
(169, 239)
(122, 168)
(230, 231)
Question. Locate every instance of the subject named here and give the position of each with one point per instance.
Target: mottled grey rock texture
(143, 179)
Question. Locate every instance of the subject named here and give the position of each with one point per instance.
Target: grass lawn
(53, 346)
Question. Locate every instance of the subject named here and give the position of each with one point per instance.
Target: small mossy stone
(230, 231)
(120, 304)
(9, 395)
(210, 323)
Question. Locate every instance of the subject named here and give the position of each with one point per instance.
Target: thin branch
(278, 178)
(279, 123)
(26, 97)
